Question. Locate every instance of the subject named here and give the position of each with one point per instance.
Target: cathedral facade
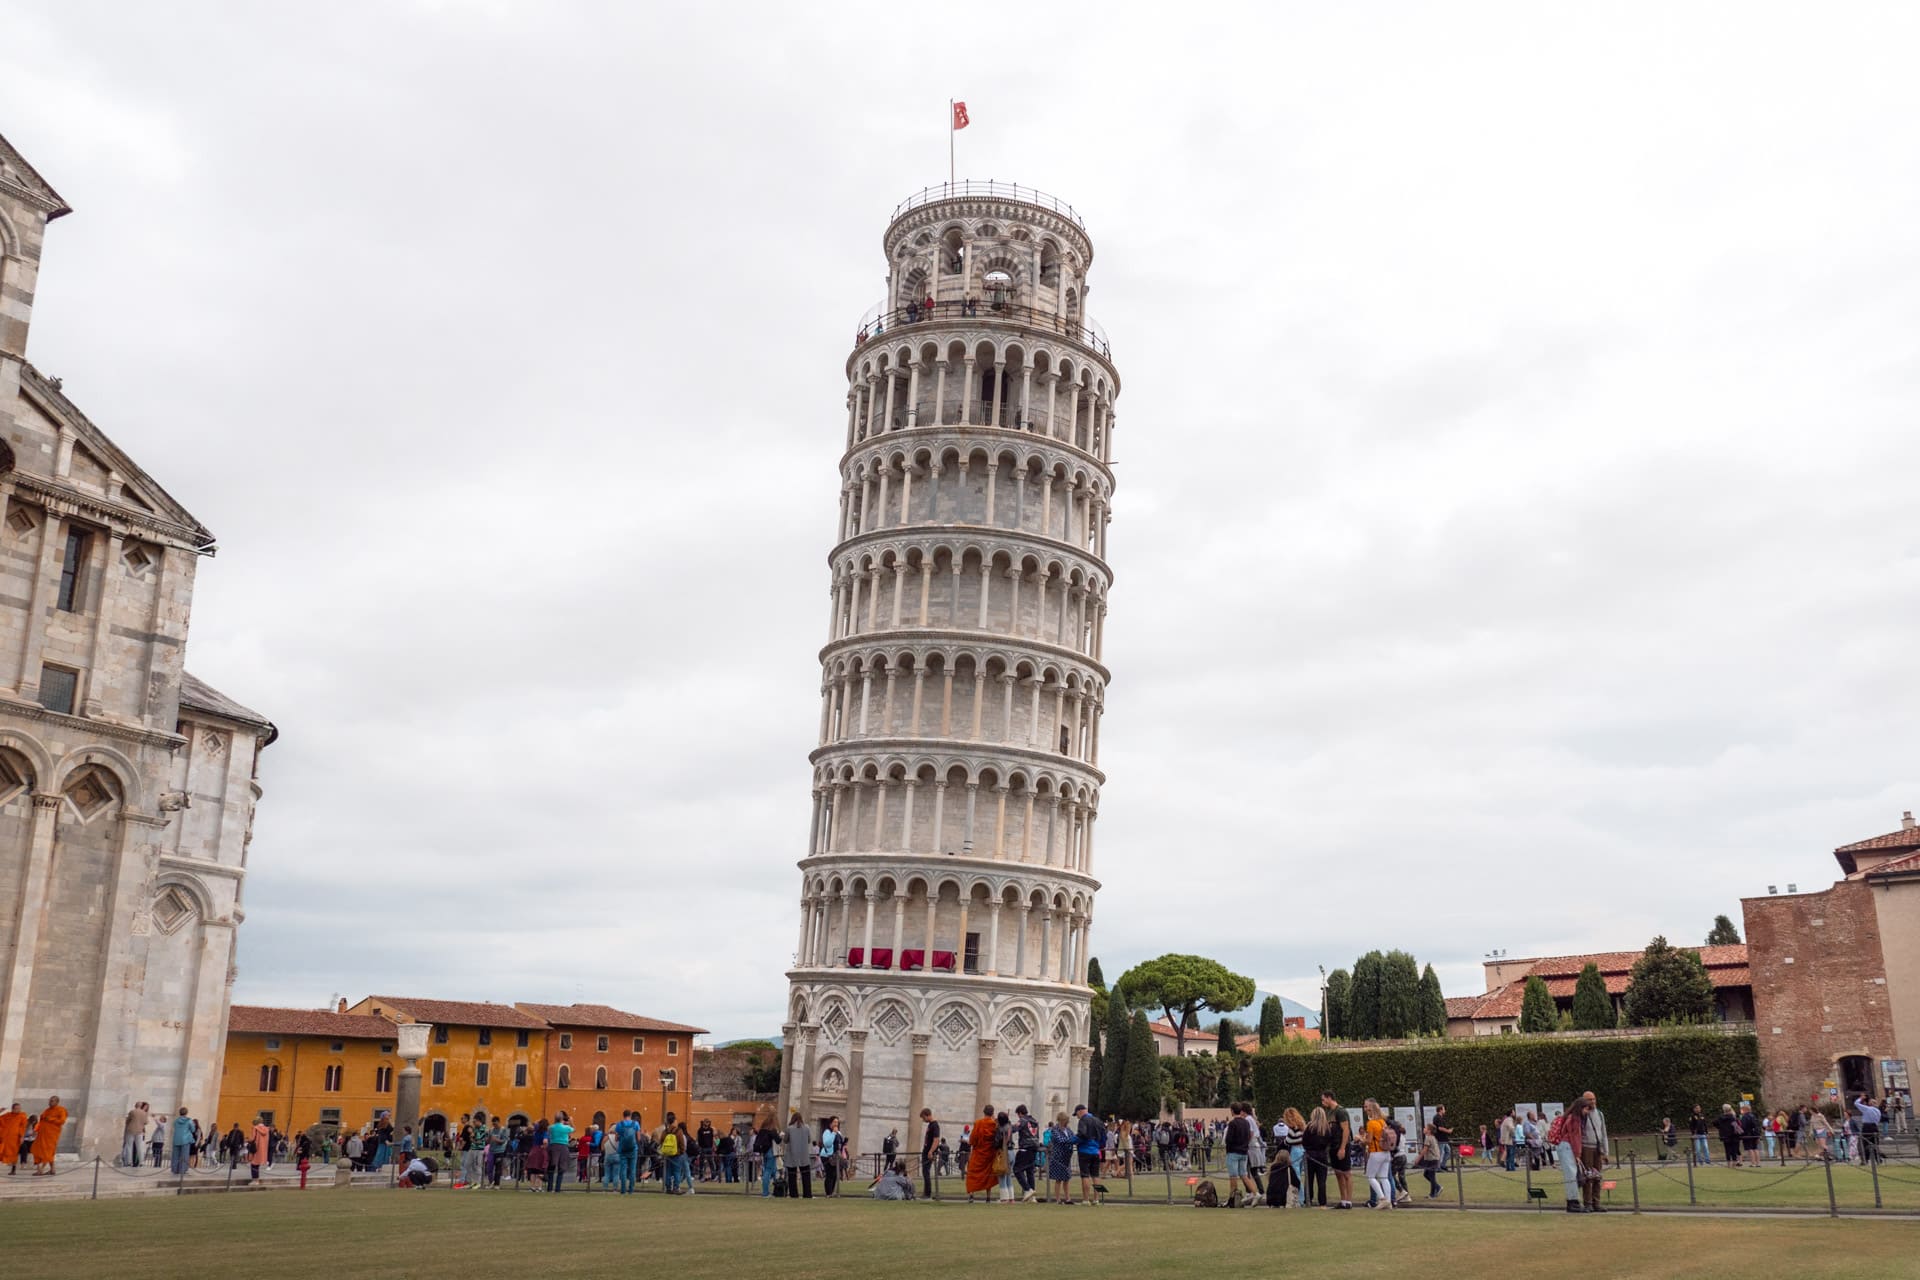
(947, 889)
(127, 786)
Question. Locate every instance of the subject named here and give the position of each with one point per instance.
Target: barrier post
(1873, 1164)
(1690, 1196)
(1633, 1175)
(1460, 1184)
(1833, 1206)
(96, 1180)
(1166, 1167)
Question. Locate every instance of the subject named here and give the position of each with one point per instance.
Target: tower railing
(988, 189)
(881, 320)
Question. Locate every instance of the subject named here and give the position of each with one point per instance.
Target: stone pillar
(1042, 1052)
(983, 1081)
(991, 961)
(124, 983)
(856, 1082)
(899, 929)
(28, 922)
(789, 1047)
(53, 533)
(866, 958)
(917, 1097)
(1082, 1059)
(800, 1086)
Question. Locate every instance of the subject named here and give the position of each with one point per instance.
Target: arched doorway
(1855, 1074)
(433, 1127)
(600, 1120)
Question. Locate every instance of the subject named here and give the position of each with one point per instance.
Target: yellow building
(302, 1067)
(480, 1057)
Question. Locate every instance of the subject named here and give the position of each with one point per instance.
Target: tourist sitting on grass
(893, 1184)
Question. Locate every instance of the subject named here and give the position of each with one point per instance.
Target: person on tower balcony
(926, 308)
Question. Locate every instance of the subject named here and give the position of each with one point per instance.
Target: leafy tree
(1094, 979)
(1180, 1082)
(1433, 1004)
(1537, 1012)
(1140, 1081)
(1668, 984)
(1723, 933)
(1399, 995)
(761, 1073)
(1592, 1006)
(1119, 1032)
(1333, 1020)
(1363, 997)
(1184, 987)
(1273, 1020)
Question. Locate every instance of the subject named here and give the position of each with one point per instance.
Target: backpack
(1206, 1196)
(670, 1143)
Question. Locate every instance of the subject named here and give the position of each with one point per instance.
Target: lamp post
(1324, 1033)
(406, 1103)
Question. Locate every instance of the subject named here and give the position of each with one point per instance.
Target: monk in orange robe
(13, 1127)
(47, 1139)
(981, 1149)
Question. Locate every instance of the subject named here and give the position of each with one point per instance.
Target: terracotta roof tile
(1905, 838)
(252, 1019)
(600, 1016)
(461, 1013)
(1622, 962)
(1463, 1006)
(1904, 863)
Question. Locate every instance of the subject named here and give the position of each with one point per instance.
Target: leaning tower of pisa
(947, 891)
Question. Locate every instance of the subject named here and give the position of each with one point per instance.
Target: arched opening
(432, 1123)
(1855, 1073)
(565, 1080)
(600, 1078)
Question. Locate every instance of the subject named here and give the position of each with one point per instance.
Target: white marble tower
(947, 892)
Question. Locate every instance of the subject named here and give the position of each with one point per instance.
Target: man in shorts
(1337, 1155)
(1239, 1138)
(1089, 1136)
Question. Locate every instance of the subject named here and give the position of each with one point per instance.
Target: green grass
(465, 1235)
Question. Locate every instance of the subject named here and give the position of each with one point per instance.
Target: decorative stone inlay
(891, 1022)
(1016, 1030)
(956, 1025)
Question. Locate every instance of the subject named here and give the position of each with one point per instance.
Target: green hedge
(1638, 1079)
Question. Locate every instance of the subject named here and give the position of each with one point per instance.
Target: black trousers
(1023, 1170)
(1316, 1181)
(829, 1174)
(800, 1182)
(926, 1174)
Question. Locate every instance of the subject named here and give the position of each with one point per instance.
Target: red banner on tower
(959, 115)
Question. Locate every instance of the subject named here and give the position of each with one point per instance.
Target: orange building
(480, 1057)
(302, 1067)
(602, 1061)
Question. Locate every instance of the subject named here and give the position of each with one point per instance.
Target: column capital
(1080, 1053)
(988, 1044)
(1042, 1050)
(857, 1041)
(788, 1029)
(922, 1043)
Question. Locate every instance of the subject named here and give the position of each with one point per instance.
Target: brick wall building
(1836, 974)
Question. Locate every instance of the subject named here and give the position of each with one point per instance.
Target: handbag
(999, 1164)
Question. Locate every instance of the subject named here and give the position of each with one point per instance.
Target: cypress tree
(1592, 1006)
(1273, 1020)
(1334, 1016)
(1433, 1005)
(1140, 1084)
(1364, 997)
(1537, 1012)
(1119, 1045)
(1399, 996)
(1224, 1036)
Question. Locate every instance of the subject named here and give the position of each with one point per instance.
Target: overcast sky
(1516, 537)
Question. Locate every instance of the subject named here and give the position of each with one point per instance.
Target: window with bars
(519, 1075)
(601, 1044)
(482, 1071)
(58, 688)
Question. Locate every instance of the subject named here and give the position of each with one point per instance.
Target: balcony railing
(881, 320)
(989, 189)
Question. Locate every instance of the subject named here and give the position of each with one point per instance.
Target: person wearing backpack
(765, 1139)
(626, 1151)
(1027, 1151)
(1090, 1134)
(667, 1142)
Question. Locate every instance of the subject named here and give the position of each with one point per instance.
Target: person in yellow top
(1380, 1141)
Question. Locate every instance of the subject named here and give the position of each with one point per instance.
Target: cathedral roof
(16, 173)
(197, 695)
(599, 1016)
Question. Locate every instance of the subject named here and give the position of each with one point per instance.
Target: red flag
(959, 115)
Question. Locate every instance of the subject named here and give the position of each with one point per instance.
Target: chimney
(1906, 820)
(343, 1005)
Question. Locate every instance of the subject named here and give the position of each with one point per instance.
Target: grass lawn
(456, 1234)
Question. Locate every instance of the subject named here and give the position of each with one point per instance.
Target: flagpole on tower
(950, 132)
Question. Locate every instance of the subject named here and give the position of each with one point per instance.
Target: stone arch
(123, 770)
